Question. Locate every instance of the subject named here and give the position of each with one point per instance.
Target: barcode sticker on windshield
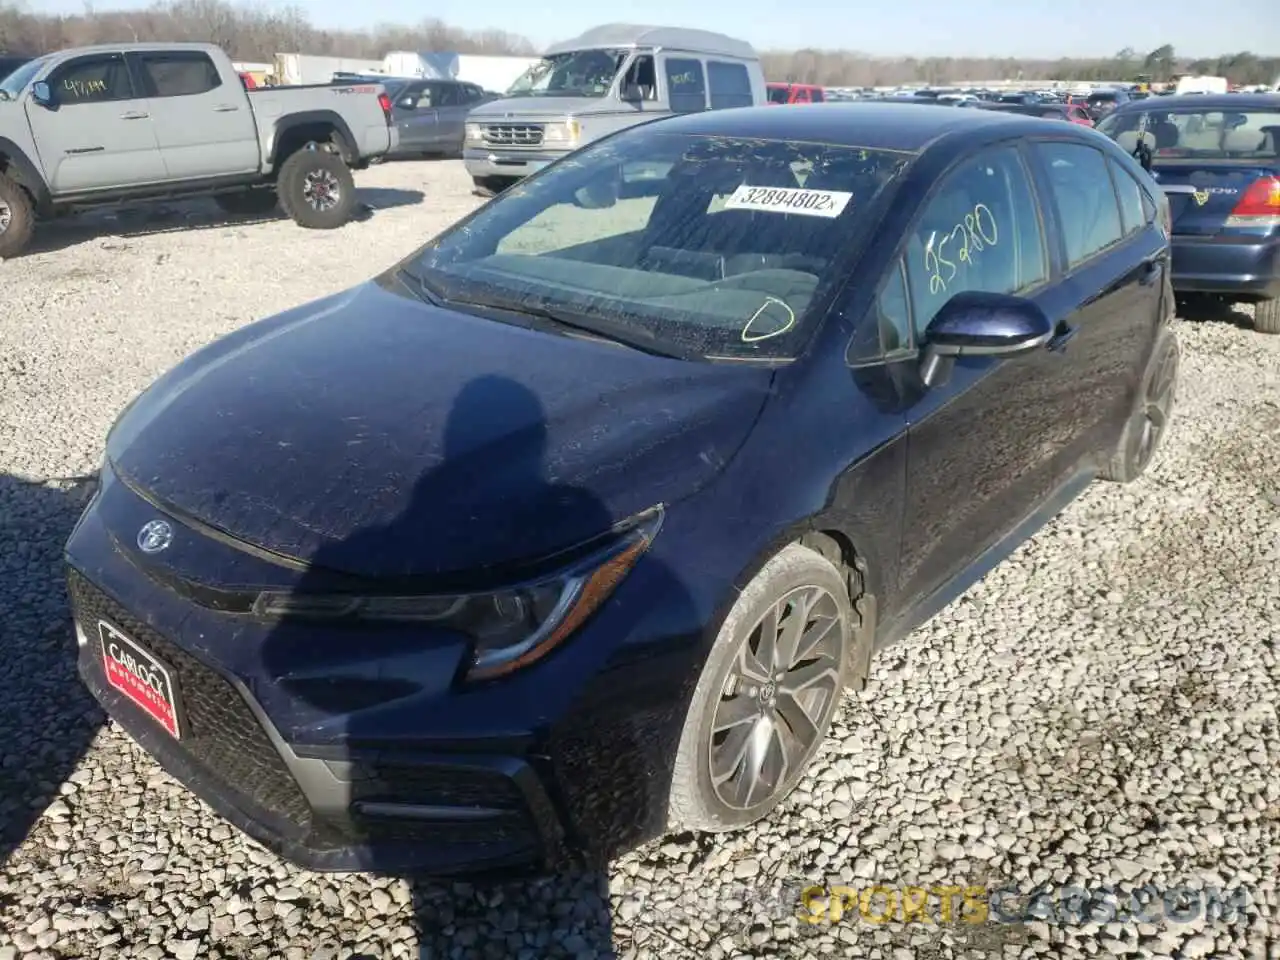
(808, 203)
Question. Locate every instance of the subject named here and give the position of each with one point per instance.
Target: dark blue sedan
(1218, 160)
(573, 527)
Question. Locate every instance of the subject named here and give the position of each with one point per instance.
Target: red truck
(795, 93)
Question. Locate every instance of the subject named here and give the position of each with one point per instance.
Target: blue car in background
(574, 526)
(1217, 159)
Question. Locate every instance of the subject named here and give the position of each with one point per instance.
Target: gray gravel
(1101, 709)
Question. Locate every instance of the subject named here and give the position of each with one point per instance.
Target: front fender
(24, 171)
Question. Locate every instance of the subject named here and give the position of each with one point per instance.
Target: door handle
(225, 108)
(1062, 336)
(134, 115)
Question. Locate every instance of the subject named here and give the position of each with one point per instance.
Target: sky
(921, 28)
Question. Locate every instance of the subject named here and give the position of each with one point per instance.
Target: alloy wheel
(321, 190)
(777, 699)
(6, 216)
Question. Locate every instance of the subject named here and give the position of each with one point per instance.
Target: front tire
(766, 696)
(17, 218)
(1266, 316)
(1152, 414)
(317, 190)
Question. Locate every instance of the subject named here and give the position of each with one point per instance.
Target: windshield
(692, 246)
(579, 73)
(1202, 134)
(15, 82)
(779, 94)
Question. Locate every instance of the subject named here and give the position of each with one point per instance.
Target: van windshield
(577, 73)
(687, 245)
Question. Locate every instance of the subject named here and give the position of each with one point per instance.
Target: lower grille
(512, 134)
(222, 735)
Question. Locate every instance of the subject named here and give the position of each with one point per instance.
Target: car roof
(1209, 101)
(882, 125)
(643, 35)
(138, 47)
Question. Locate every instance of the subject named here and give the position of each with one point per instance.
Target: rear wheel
(766, 696)
(1152, 414)
(317, 190)
(1266, 316)
(17, 218)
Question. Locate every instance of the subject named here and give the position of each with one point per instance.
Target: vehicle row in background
(1217, 158)
(101, 125)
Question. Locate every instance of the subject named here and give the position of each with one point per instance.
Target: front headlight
(508, 629)
(565, 132)
(473, 133)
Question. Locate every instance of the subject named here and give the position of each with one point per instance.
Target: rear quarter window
(729, 84)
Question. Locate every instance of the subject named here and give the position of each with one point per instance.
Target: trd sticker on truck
(353, 89)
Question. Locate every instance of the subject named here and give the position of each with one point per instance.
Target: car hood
(375, 435)
(536, 108)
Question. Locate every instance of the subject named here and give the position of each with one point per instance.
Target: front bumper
(471, 813)
(496, 162)
(292, 732)
(1227, 265)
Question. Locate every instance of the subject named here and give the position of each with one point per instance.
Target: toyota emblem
(154, 536)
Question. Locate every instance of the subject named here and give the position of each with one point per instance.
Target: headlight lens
(565, 132)
(473, 132)
(508, 629)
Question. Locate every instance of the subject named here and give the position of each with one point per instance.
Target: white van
(611, 77)
(1202, 85)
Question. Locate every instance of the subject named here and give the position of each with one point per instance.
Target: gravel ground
(1100, 709)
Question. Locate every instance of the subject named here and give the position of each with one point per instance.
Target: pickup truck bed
(102, 125)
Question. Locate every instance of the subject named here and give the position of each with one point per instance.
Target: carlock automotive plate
(140, 677)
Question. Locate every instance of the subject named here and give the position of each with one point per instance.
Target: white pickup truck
(102, 125)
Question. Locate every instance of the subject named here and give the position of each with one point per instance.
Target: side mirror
(631, 92)
(41, 94)
(976, 324)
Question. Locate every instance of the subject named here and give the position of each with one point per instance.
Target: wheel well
(839, 549)
(8, 168)
(296, 138)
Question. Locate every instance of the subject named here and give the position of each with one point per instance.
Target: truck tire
(17, 218)
(316, 190)
(1266, 316)
(248, 202)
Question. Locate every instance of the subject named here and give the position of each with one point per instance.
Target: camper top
(672, 38)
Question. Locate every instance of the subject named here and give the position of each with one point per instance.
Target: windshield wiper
(636, 339)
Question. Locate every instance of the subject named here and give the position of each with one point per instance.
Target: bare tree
(256, 33)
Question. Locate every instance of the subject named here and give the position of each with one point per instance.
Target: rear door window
(1132, 207)
(1088, 210)
(730, 85)
(178, 74)
(686, 85)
